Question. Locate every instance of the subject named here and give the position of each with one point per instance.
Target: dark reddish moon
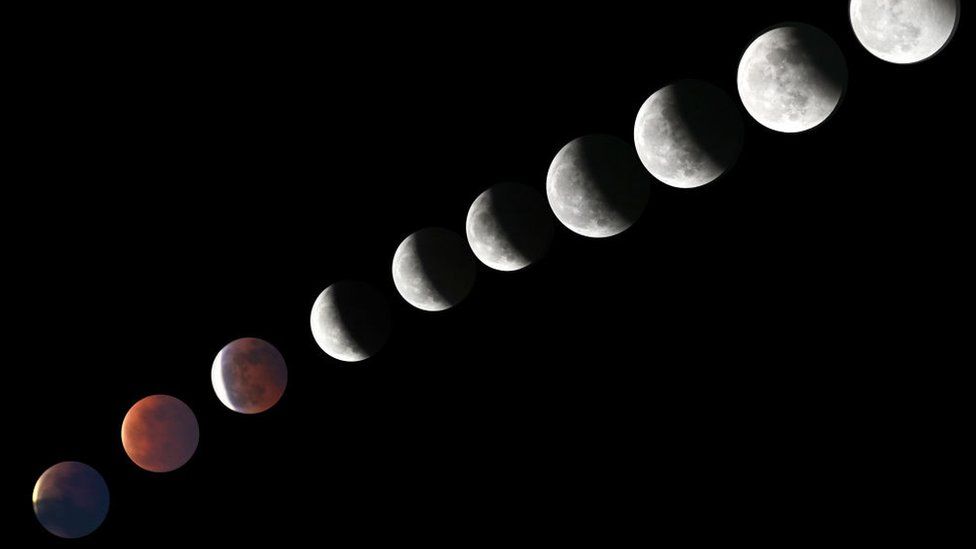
(249, 375)
(71, 499)
(160, 433)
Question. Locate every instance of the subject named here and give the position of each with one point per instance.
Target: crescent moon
(350, 321)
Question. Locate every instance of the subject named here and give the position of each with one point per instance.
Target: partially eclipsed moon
(509, 227)
(904, 31)
(596, 186)
(350, 321)
(70, 499)
(249, 375)
(792, 78)
(433, 269)
(688, 133)
(160, 433)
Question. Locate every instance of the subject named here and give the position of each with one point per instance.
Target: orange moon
(160, 433)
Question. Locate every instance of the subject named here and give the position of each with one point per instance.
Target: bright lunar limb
(160, 433)
(249, 375)
(350, 321)
(509, 227)
(688, 133)
(433, 269)
(792, 78)
(70, 499)
(904, 31)
(596, 186)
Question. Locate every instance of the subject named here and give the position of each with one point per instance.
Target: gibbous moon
(350, 321)
(70, 499)
(904, 31)
(509, 227)
(688, 133)
(596, 186)
(160, 433)
(792, 78)
(249, 375)
(433, 269)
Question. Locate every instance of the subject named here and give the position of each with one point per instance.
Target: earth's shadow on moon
(952, 34)
(363, 314)
(624, 183)
(522, 215)
(826, 55)
(712, 120)
(72, 500)
(448, 265)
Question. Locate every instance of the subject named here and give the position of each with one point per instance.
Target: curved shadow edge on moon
(508, 227)
(350, 321)
(70, 499)
(792, 78)
(596, 186)
(905, 32)
(433, 269)
(688, 133)
(249, 375)
(160, 433)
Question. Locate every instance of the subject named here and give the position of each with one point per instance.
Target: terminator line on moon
(350, 321)
(792, 78)
(249, 375)
(688, 133)
(433, 269)
(597, 186)
(904, 31)
(508, 227)
(70, 499)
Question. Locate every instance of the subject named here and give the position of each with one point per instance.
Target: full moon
(249, 375)
(596, 186)
(160, 433)
(509, 227)
(688, 133)
(433, 269)
(904, 31)
(792, 78)
(350, 321)
(70, 499)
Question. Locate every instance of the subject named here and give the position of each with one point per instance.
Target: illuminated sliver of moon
(249, 375)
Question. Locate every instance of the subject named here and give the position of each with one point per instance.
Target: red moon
(160, 433)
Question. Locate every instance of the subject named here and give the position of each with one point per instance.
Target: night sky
(187, 179)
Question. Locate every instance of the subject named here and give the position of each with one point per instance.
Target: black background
(185, 179)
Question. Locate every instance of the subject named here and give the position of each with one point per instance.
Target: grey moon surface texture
(249, 375)
(433, 269)
(509, 226)
(792, 78)
(904, 31)
(688, 133)
(596, 186)
(350, 321)
(70, 499)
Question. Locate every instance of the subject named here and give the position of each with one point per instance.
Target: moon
(160, 433)
(249, 375)
(688, 133)
(433, 269)
(904, 31)
(70, 499)
(350, 321)
(508, 227)
(792, 78)
(596, 186)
